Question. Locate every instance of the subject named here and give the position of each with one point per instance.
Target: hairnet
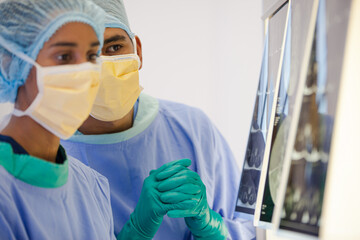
(25, 25)
(116, 16)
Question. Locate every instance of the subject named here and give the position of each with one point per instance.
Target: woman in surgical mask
(48, 51)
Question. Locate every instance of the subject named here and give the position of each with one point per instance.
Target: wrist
(146, 225)
(210, 226)
(131, 231)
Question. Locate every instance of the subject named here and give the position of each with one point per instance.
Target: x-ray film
(277, 36)
(298, 24)
(264, 106)
(256, 144)
(302, 205)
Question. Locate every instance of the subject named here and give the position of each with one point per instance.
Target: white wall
(204, 53)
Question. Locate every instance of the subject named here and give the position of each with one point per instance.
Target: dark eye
(63, 58)
(113, 48)
(92, 57)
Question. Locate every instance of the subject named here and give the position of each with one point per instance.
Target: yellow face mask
(119, 87)
(65, 97)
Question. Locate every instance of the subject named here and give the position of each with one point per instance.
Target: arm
(222, 179)
(220, 173)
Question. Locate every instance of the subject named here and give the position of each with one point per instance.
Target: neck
(35, 139)
(93, 126)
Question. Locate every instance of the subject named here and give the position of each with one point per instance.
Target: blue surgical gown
(164, 131)
(43, 200)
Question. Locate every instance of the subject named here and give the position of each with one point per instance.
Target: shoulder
(89, 180)
(182, 111)
(190, 120)
(178, 107)
(86, 174)
(6, 183)
(9, 213)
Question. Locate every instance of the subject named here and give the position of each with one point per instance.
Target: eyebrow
(64, 44)
(114, 39)
(72, 44)
(95, 44)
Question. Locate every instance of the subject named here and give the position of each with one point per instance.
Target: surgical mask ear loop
(138, 58)
(12, 49)
(135, 45)
(135, 51)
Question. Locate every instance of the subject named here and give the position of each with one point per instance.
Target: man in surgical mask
(129, 133)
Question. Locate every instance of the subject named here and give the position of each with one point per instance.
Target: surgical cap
(116, 16)
(25, 25)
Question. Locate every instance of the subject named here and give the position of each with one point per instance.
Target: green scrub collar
(147, 111)
(32, 170)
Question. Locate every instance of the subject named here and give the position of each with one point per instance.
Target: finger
(188, 188)
(181, 171)
(175, 182)
(169, 172)
(184, 205)
(182, 213)
(178, 180)
(184, 162)
(177, 197)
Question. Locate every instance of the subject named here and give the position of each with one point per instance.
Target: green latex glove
(202, 221)
(150, 209)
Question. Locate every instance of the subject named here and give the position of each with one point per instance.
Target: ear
(139, 50)
(27, 92)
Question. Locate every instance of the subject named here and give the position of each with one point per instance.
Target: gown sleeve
(221, 175)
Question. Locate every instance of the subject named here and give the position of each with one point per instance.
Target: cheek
(128, 51)
(128, 48)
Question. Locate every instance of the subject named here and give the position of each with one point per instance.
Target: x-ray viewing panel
(340, 213)
(298, 24)
(261, 117)
(302, 205)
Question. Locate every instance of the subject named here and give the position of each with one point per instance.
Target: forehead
(74, 32)
(111, 32)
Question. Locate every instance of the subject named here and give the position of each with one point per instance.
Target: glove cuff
(210, 226)
(131, 232)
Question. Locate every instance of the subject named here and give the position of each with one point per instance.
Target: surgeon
(130, 133)
(47, 53)
(48, 50)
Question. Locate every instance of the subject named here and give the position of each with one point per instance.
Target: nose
(83, 58)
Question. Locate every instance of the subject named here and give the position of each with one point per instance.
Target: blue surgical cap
(25, 25)
(116, 16)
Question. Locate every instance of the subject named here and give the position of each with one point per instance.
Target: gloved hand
(150, 209)
(203, 222)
